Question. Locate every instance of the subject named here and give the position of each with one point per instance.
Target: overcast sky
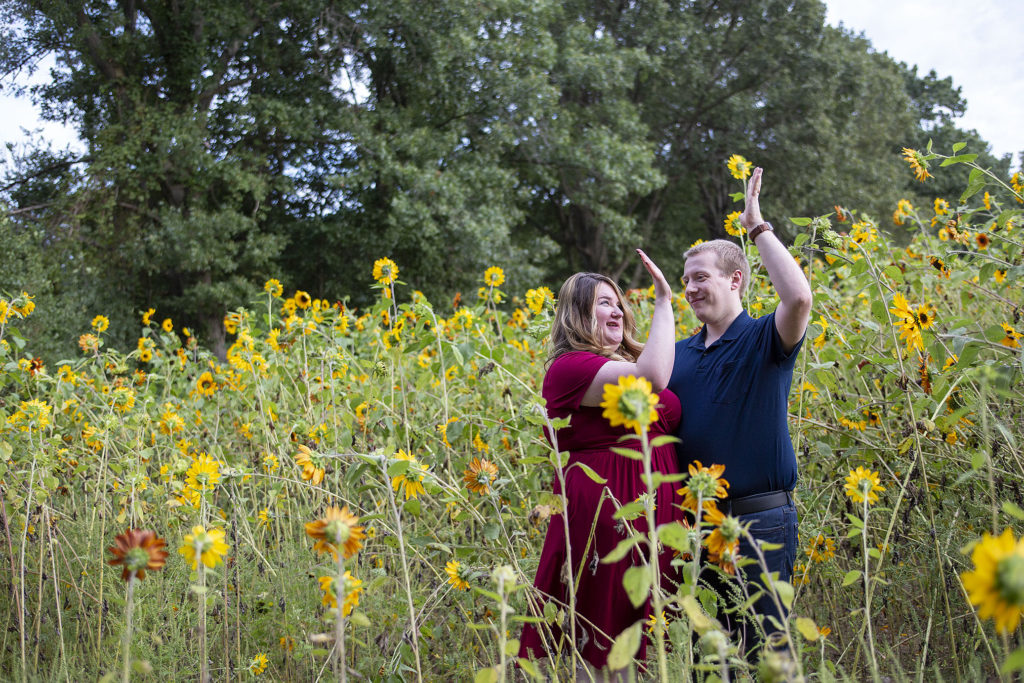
(980, 43)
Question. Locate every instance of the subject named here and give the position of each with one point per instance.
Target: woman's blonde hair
(575, 325)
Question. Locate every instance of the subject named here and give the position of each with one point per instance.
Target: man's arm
(787, 277)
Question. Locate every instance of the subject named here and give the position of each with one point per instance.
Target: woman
(592, 345)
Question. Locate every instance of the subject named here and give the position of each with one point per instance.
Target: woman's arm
(656, 360)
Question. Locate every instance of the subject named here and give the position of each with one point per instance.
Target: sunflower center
(337, 531)
(136, 559)
(1010, 579)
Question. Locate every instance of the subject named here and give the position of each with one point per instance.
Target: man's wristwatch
(758, 229)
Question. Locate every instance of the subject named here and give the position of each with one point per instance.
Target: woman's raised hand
(661, 286)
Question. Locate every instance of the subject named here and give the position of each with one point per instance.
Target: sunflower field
(363, 494)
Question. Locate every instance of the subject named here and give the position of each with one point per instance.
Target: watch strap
(764, 226)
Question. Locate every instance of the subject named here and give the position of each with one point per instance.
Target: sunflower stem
(339, 622)
(126, 638)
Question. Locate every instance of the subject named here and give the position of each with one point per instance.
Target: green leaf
(625, 647)
(529, 667)
(957, 146)
(1013, 510)
(675, 536)
(629, 511)
(628, 452)
(664, 439)
(801, 221)
(488, 675)
(637, 582)
(784, 589)
(808, 629)
(399, 467)
(412, 506)
(511, 647)
(621, 550)
(594, 476)
(851, 577)
(1014, 663)
(959, 159)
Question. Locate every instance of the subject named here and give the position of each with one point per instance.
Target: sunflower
(910, 329)
(203, 474)
(536, 298)
(726, 535)
(138, 550)
(385, 271)
(917, 164)
(100, 323)
(258, 664)
(89, 342)
(311, 469)
(273, 287)
(630, 403)
(147, 316)
(732, 224)
(705, 482)
(302, 299)
(206, 385)
(480, 475)
(996, 585)
(821, 549)
(205, 546)
(940, 266)
(410, 482)
(338, 527)
(494, 276)
(726, 560)
(739, 167)
(122, 399)
(941, 206)
(167, 325)
(456, 575)
(982, 240)
(863, 484)
(145, 355)
(999, 274)
(1012, 335)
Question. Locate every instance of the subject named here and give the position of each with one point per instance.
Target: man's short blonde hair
(730, 258)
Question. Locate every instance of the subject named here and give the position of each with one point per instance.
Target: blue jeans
(778, 526)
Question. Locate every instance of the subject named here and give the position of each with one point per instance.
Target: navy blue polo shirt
(734, 396)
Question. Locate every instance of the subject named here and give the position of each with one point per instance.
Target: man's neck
(715, 329)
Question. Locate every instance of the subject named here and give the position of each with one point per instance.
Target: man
(733, 380)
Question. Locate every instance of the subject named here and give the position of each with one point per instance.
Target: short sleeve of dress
(568, 379)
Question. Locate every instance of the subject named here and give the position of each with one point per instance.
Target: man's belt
(759, 502)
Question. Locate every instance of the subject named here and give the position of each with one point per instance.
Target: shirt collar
(742, 321)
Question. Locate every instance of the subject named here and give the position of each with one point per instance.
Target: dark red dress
(603, 609)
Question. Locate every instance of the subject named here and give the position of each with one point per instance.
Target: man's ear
(737, 279)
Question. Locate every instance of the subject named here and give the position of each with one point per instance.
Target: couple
(723, 392)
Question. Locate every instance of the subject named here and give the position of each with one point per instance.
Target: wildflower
(302, 299)
(660, 622)
(258, 664)
(410, 482)
(273, 287)
(456, 575)
(982, 240)
(725, 536)
(822, 549)
(480, 445)
(941, 206)
(820, 340)
(138, 550)
(67, 376)
(206, 385)
(732, 224)
(203, 474)
(122, 399)
(494, 276)
(1017, 181)
(31, 414)
(940, 266)
(999, 274)
(480, 475)
(705, 483)
(630, 403)
(863, 233)
(338, 527)
(739, 167)
(1012, 335)
(204, 546)
(147, 316)
(996, 584)
(167, 325)
(89, 343)
(917, 164)
(950, 362)
(910, 328)
(100, 323)
(862, 484)
(385, 271)
(311, 471)
(536, 298)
